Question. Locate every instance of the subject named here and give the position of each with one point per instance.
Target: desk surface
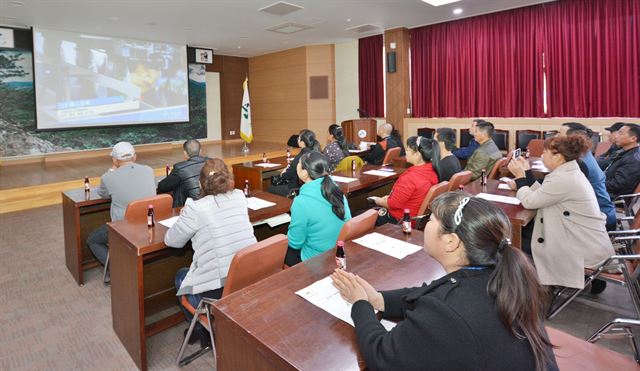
(294, 333)
(365, 181)
(147, 240)
(516, 213)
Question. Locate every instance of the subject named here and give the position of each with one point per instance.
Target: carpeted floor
(48, 322)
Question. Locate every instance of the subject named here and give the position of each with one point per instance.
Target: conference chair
(523, 137)
(345, 163)
(622, 268)
(596, 138)
(465, 137)
(435, 191)
(390, 155)
(136, 212)
(495, 170)
(619, 327)
(601, 148)
(358, 226)
(426, 132)
(536, 146)
(629, 203)
(550, 134)
(249, 265)
(501, 138)
(458, 179)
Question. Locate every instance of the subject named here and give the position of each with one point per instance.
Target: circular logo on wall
(362, 133)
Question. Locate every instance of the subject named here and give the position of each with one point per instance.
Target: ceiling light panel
(280, 8)
(363, 28)
(439, 2)
(288, 28)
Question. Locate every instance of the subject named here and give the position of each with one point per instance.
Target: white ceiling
(235, 27)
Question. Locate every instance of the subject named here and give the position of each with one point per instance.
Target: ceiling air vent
(280, 8)
(363, 28)
(288, 28)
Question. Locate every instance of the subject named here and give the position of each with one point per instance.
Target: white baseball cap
(123, 151)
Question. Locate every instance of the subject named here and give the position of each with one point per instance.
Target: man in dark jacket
(623, 175)
(184, 180)
(390, 139)
(605, 159)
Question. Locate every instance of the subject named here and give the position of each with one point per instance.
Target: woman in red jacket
(412, 186)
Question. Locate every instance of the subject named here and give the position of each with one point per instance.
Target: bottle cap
(407, 211)
(340, 243)
(150, 206)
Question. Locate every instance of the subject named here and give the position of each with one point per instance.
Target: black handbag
(277, 180)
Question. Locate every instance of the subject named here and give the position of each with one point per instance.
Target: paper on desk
(505, 179)
(255, 203)
(169, 222)
(356, 150)
(325, 296)
(499, 198)
(504, 186)
(266, 164)
(387, 245)
(342, 179)
(274, 221)
(379, 172)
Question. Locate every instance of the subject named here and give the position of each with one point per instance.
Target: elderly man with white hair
(390, 139)
(125, 181)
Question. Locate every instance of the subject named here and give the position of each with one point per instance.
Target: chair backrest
(458, 179)
(255, 263)
(358, 226)
(434, 191)
(602, 147)
(137, 210)
(536, 147)
(465, 137)
(501, 138)
(345, 163)
(390, 155)
(596, 138)
(426, 132)
(495, 170)
(550, 134)
(524, 136)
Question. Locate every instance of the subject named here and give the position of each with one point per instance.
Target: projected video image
(84, 80)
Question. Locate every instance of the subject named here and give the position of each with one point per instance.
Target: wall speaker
(391, 62)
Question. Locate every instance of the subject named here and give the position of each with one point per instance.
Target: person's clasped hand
(518, 166)
(353, 288)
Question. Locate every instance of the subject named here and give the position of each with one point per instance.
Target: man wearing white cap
(125, 181)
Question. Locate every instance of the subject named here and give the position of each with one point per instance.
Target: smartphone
(517, 152)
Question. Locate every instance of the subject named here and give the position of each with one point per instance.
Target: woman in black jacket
(288, 179)
(487, 313)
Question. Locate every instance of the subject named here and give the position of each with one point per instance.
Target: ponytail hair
(520, 300)
(428, 149)
(338, 134)
(308, 137)
(317, 165)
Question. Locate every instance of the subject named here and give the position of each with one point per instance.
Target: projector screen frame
(115, 125)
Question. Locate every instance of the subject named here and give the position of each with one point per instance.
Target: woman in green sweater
(317, 213)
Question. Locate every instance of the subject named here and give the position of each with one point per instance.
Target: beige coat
(569, 232)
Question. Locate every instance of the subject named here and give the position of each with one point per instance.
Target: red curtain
(492, 65)
(592, 58)
(371, 86)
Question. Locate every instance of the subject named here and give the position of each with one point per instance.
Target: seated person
(593, 173)
(183, 182)
(218, 226)
(288, 178)
(318, 213)
(449, 164)
(569, 232)
(412, 186)
(486, 313)
(390, 139)
(623, 175)
(337, 148)
(605, 159)
(466, 152)
(125, 181)
(487, 154)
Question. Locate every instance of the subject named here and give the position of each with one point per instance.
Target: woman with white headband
(487, 313)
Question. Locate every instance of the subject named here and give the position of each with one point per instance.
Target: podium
(358, 130)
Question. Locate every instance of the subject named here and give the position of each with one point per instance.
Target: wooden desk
(366, 185)
(259, 177)
(81, 215)
(143, 300)
(518, 215)
(266, 326)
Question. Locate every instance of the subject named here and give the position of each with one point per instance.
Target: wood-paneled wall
(321, 112)
(233, 71)
(398, 82)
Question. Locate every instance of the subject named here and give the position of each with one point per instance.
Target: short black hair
(191, 147)
(578, 128)
(448, 137)
(486, 127)
(634, 130)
